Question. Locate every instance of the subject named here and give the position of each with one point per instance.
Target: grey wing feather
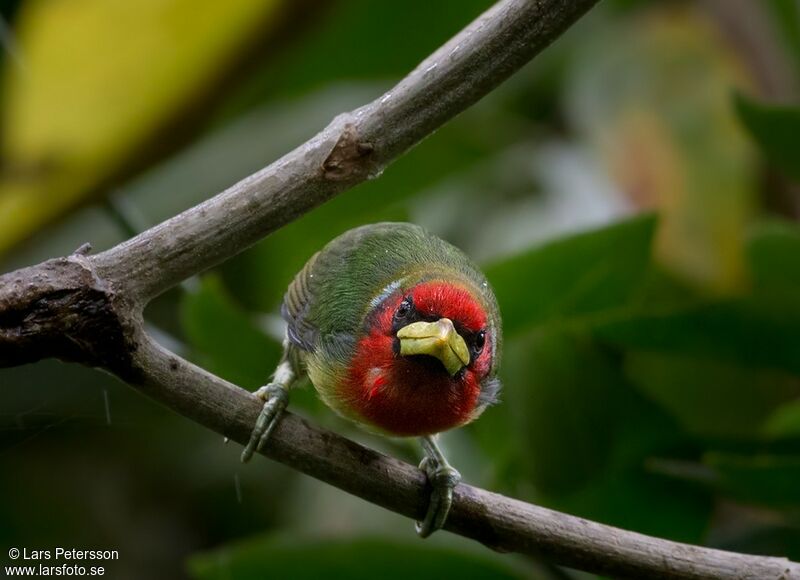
(297, 305)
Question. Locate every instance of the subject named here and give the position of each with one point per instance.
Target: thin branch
(88, 309)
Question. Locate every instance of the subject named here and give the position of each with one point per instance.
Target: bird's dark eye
(480, 340)
(404, 314)
(404, 309)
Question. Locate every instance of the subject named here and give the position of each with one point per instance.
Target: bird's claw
(275, 398)
(443, 479)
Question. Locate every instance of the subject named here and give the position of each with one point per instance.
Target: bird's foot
(443, 479)
(275, 397)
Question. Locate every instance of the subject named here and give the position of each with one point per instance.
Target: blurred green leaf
(225, 339)
(748, 332)
(577, 431)
(710, 398)
(573, 277)
(786, 17)
(352, 558)
(775, 128)
(636, 500)
(766, 535)
(784, 422)
(722, 367)
(762, 479)
(774, 256)
(564, 394)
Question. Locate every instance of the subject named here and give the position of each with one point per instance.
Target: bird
(399, 332)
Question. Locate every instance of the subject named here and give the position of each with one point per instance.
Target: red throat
(410, 396)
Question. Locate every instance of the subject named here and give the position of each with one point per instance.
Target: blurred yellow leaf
(99, 88)
(655, 101)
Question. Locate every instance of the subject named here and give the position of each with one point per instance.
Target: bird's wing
(319, 301)
(296, 308)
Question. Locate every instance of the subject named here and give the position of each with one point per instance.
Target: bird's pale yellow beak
(438, 339)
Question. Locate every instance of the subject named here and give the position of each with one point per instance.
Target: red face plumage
(444, 300)
(409, 396)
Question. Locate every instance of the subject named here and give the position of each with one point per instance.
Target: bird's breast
(395, 395)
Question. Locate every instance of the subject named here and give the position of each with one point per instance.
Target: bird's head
(427, 360)
(445, 321)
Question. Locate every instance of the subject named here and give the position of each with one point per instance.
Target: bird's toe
(275, 397)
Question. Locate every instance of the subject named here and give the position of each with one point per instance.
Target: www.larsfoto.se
(48, 570)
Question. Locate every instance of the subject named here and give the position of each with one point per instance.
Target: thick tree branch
(497, 521)
(87, 309)
(354, 147)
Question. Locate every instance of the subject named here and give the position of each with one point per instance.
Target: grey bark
(88, 309)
